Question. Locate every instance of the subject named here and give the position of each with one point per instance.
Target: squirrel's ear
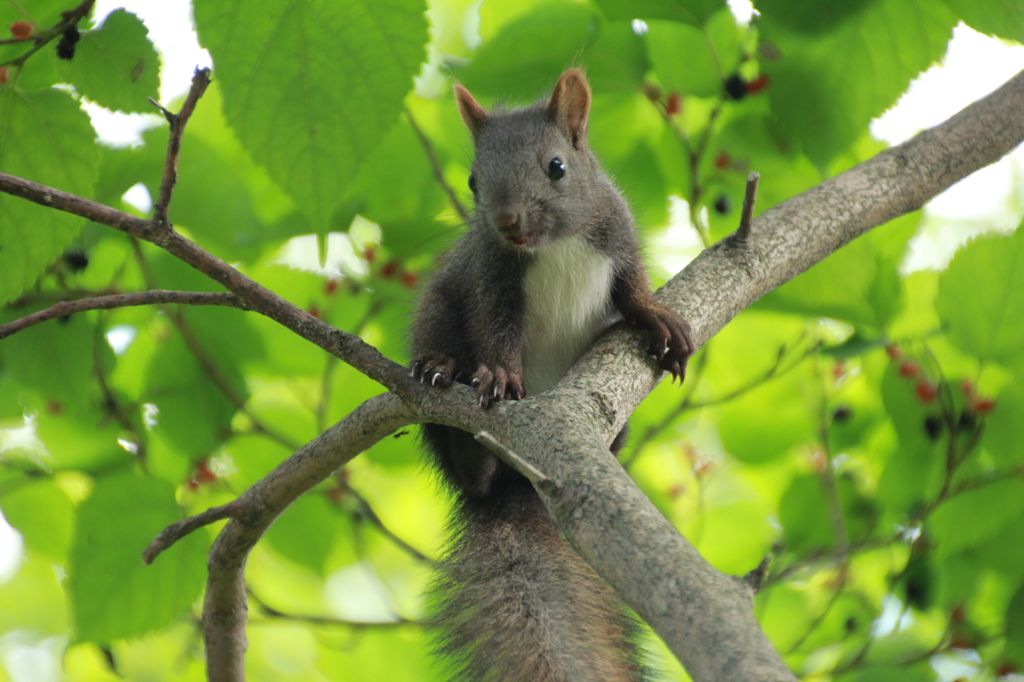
(570, 106)
(472, 113)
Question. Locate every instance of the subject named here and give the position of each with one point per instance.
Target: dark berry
(723, 204)
(967, 421)
(389, 269)
(842, 414)
(933, 426)
(76, 261)
(736, 87)
(66, 46)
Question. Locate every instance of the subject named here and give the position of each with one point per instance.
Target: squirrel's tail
(515, 603)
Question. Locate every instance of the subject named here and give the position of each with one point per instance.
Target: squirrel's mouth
(522, 240)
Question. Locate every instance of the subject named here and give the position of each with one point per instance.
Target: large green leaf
(1003, 18)
(981, 297)
(525, 58)
(115, 65)
(694, 60)
(829, 85)
(311, 88)
(686, 11)
(113, 595)
(45, 137)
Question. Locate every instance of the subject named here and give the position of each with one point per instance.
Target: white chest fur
(568, 304)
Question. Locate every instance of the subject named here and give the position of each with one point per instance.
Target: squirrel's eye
(472, 183)
(556, 169)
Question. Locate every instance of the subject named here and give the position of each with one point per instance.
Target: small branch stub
(176, 531)
(506, 455)
(756, 578)
(743, 232)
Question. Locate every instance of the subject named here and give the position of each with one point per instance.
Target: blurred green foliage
(859, 424)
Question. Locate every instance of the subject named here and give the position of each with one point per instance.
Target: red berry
(389, 269)
(54, 407)
(314, 311)
(331, 286)
(909, 369)
(1006, 668)
(203, 472)
(961, 641)
(409, 279)
(926, 391)
(722, 161)
(967, 387)
(838, 369)
(21, 30)
(678, 490)
(759, 84)
(192, 484)
(3, 75)
(894, 351)
(369, 253)
(983, 406)
(674, 104)
(335, 494)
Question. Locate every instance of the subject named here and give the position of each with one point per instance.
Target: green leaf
(981, 297)
(828, 86)
(1004, 429)
(42, 513)
(687, 11)
(974, 517)
(683, 58)
(115, 65)
(1003, 18)
(54, 358)
(526, 57)
(311, 88)
(1015, 628)
(305, 532)
(113, 595)
(47, 138)
(812, 16)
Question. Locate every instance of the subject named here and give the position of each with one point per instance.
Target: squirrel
(549, 261)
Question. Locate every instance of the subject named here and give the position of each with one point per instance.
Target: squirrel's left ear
(570, 106)
(473, 115)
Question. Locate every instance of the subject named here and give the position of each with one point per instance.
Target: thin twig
(743, 232)
(271, 612)
(435, 165)
(200, 81)
(366, 510)
(179, 529)
(151, 297)
(347, 347)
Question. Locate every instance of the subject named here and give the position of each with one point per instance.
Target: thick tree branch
(224, 611)
(704, 616)
(151, 297)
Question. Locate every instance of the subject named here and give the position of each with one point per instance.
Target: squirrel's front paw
(498, 384)
(670, 337)
(436, 370)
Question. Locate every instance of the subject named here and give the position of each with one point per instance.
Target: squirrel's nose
(507, 220)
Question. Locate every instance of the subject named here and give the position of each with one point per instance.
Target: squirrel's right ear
(472, 113)
(569, 106)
